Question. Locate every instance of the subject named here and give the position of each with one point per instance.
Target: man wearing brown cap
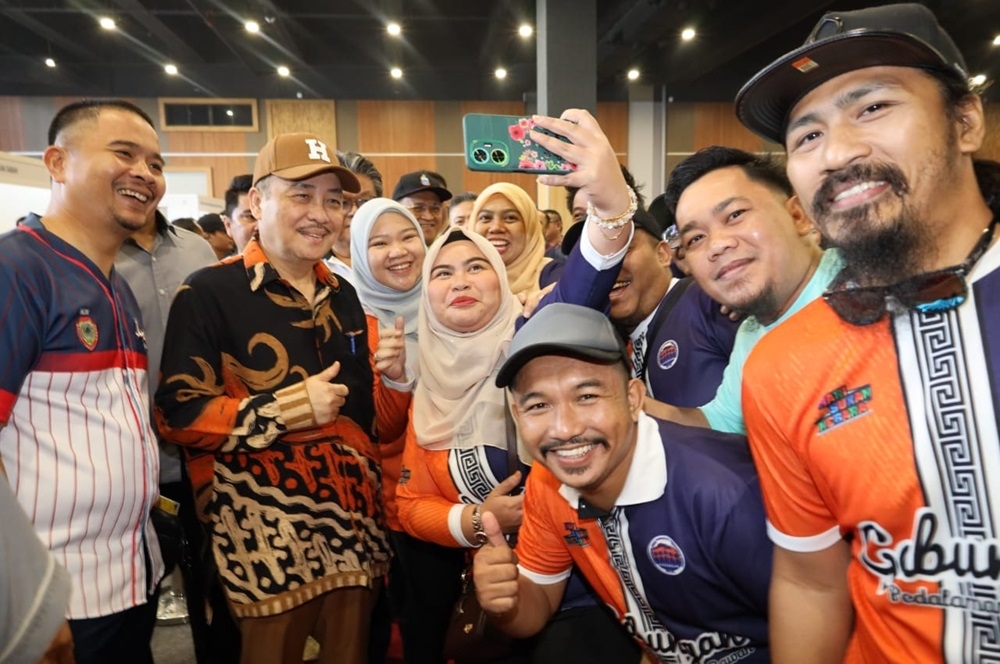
(424, 193)
(269, 382)
(873, 412)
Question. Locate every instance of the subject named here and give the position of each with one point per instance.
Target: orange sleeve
(425, 494)
(391, 406)
(541, 551)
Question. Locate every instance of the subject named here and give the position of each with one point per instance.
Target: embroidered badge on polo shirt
(86, 330)
(843, 405)
(667, 354)
(666, 555)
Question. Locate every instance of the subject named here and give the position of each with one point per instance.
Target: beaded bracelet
(618, 221)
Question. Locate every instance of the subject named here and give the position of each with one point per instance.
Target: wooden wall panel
(389, 127)
(224, 168)
(613, 118)
(716, 124)
(11, 124)
(317, 116)
(398, 136)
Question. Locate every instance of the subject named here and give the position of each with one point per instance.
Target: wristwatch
(479, 533)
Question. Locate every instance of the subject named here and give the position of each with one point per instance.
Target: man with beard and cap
(872, 413)
(270, 379)
(665, 522)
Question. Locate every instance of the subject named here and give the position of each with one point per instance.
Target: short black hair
(240, 184)
(211, 223)
(763, 169)
(629, 180)
(362, 165)
(89, 109)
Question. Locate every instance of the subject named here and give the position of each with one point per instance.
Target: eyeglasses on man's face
(420, 209)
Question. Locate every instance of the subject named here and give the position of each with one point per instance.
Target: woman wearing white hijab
(455, 462)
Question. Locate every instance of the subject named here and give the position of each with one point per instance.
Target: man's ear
(54, 159)
(803, 223)
(636, 396)
(255, 198)
(663, 254)
(971, 124)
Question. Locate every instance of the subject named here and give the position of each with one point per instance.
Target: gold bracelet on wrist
(618, 221)
(479, 533)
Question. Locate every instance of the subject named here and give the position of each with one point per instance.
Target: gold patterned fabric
(295, 510)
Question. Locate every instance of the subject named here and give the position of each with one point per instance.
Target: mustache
(575, 441)
(888, 173)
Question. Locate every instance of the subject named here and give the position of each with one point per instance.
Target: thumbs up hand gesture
(494, 570)
(390, 356)
(326, 397)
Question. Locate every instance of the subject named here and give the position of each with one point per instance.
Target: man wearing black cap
(268, 380)
(680, 341)
(873, 412)
(424, 194)
(665, 522)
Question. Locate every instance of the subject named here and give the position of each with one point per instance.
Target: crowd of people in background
(754, 420)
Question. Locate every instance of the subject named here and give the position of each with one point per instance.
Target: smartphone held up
(502, 144)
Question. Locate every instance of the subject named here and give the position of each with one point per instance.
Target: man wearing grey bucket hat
(872, 413)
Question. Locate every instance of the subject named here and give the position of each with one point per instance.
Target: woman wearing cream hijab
(507, 217)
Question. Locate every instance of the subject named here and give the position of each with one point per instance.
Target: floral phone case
(502, 144)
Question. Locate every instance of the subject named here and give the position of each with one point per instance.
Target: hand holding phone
(598, 172)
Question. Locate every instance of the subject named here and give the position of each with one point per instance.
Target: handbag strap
(513, 462)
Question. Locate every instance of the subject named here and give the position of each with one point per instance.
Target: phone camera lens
(480, 156)
(499, 157)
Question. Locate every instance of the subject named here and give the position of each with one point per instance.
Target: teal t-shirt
(725, 411)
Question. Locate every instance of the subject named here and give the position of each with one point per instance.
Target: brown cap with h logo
(299, 157)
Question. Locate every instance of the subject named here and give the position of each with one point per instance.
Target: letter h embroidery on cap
(317, 150)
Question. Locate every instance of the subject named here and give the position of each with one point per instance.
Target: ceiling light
(996, 40)
(107, 23)
(525, 30)
(978, 79)
(633, 74)
(396, 72)
(229, 112)
(500, 73)
(252, 26)
(687, 34)
(170, 69)
(284, 71)
(393, 28)
(49, 62)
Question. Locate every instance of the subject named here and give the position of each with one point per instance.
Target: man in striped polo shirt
(75, 438)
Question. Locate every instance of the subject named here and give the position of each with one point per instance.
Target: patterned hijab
(378, 299)
(524, 271)
(456, 403)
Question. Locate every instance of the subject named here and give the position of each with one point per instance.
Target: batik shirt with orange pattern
(295, 509)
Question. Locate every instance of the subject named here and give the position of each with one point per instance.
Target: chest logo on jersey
(843, 405)
(86, 330)
(667, 354)
(666, 555)
(575, 536)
